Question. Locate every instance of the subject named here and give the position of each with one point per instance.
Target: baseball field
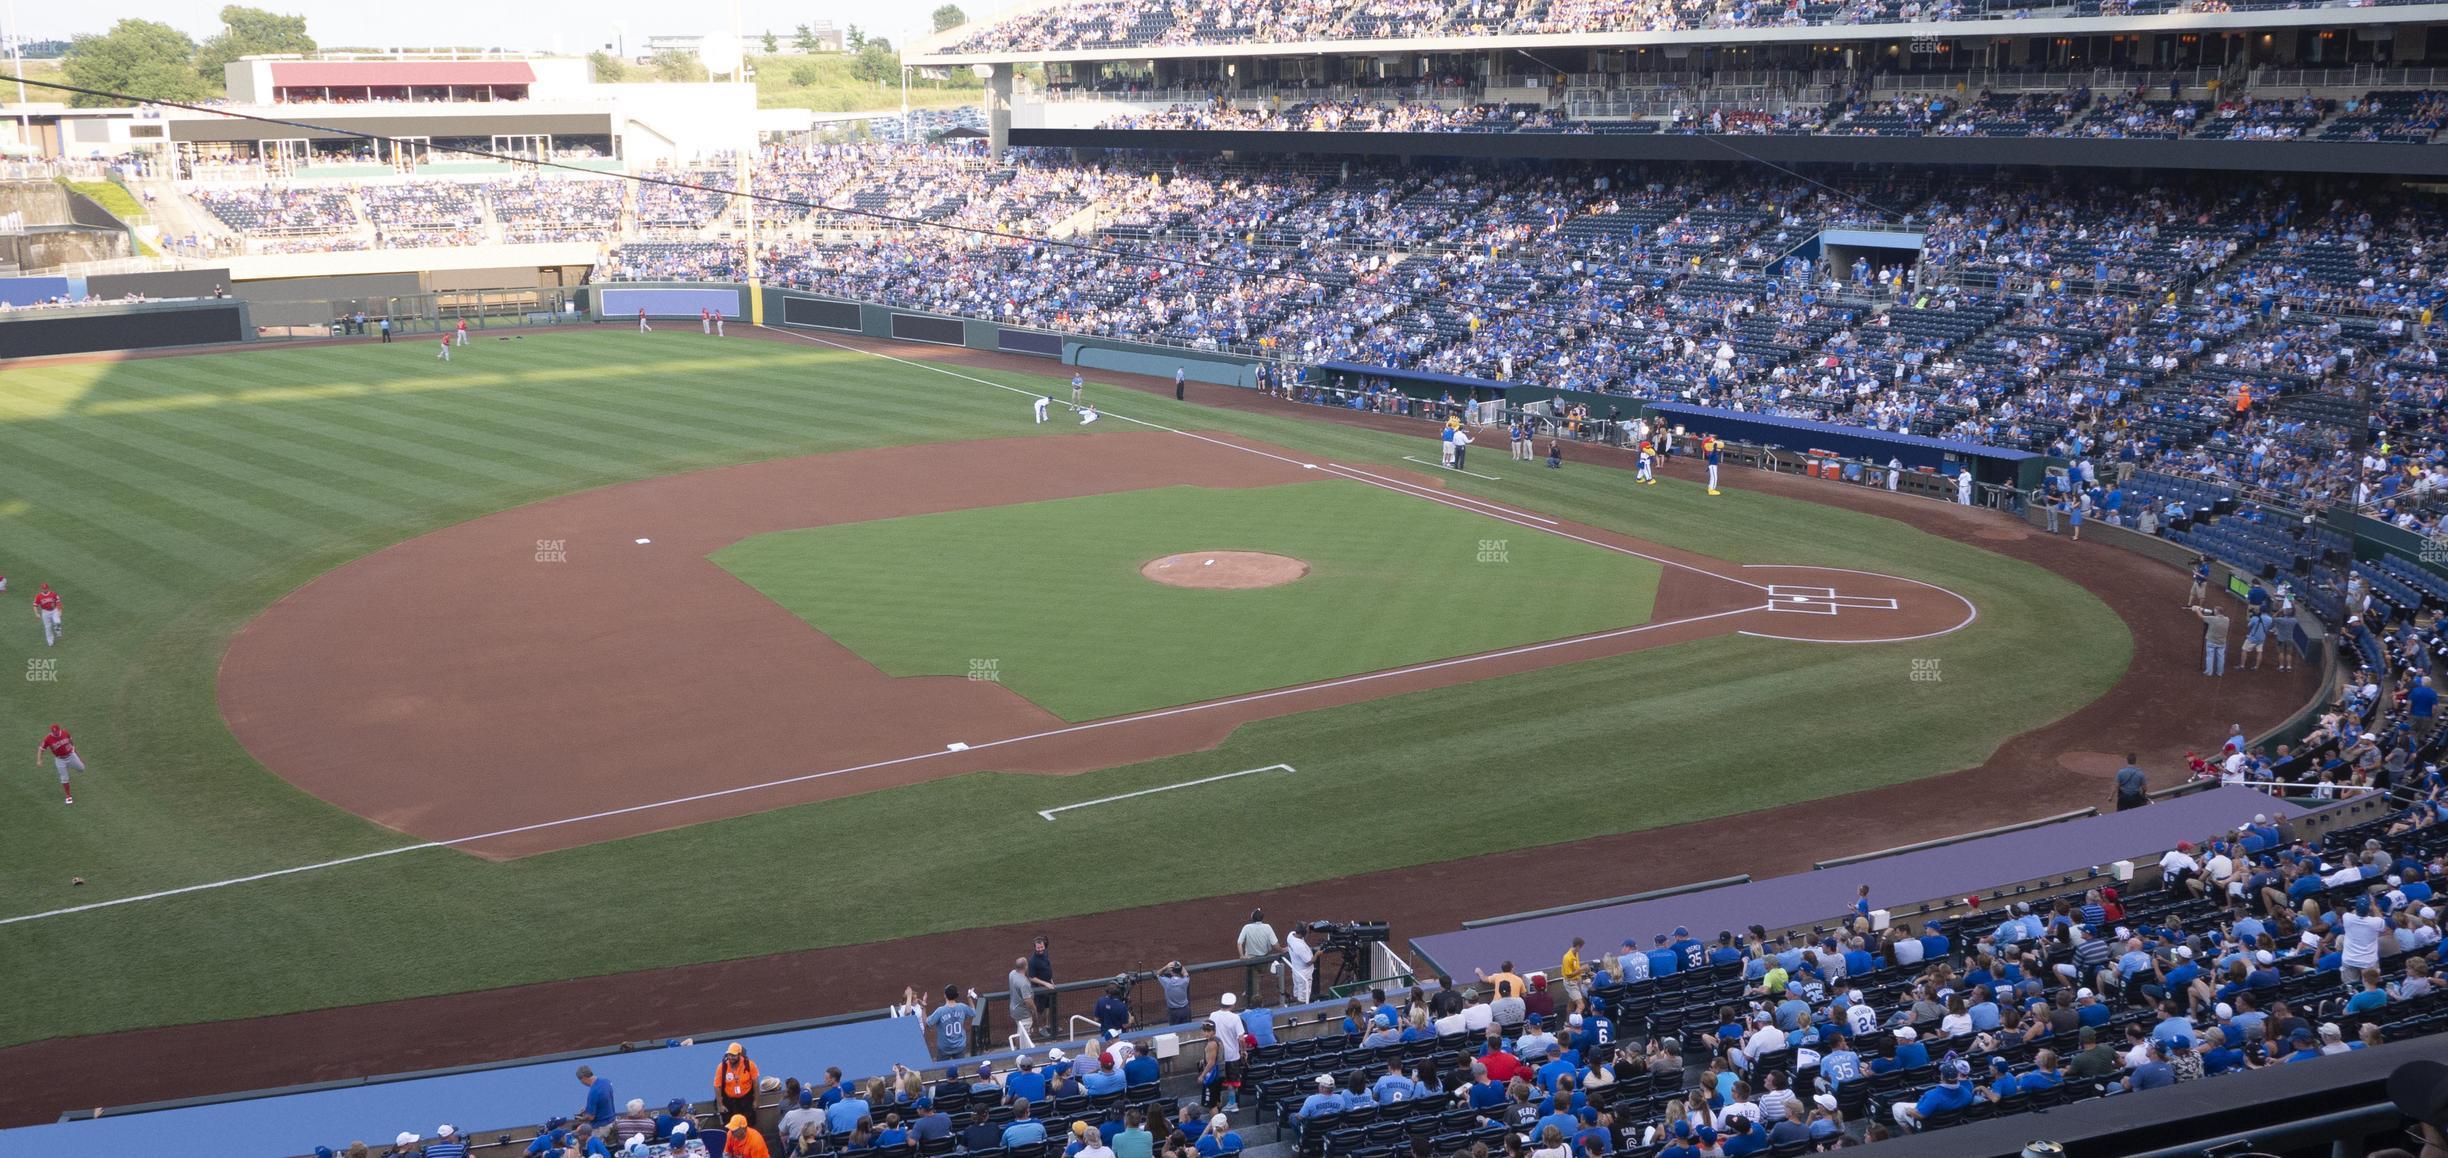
(596, 652)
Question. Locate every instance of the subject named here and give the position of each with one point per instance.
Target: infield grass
(1049, 596)
(172, 499)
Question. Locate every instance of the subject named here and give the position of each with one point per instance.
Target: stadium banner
(87, 329)
(617, 302)
(920, 328)
(1029, 342)
(820, 313)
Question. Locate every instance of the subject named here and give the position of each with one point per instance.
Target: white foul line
(809, 777)
(1048, 813)
(1455, 469)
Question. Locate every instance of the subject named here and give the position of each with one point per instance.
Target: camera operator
(1174, 980)
(1301, 960)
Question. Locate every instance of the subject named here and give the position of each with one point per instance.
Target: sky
(577, 27)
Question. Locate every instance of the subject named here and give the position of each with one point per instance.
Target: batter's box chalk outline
(1784, 590)
(1797, 605)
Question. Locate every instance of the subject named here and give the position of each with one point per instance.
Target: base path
(592, 654)
(2158, 709)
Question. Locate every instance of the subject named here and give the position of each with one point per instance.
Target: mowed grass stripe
(144, 473)
(324, 476)
(1658, 737)
(427, 449)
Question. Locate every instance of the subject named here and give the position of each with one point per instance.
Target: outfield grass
(1051, 592)
(173, 499)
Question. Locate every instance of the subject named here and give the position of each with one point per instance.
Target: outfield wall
(123, 326)
(819, 314)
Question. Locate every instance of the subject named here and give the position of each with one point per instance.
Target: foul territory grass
(173, 499)
(1049, 597)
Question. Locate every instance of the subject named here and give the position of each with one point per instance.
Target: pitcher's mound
(1229, 570)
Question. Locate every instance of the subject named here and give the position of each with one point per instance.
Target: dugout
(1991, 465)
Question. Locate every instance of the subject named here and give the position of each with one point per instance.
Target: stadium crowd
(2076, 112)
(2247, 948)
(2221, 331)
(1093, 24)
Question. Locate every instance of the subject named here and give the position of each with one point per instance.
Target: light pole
(25, 126)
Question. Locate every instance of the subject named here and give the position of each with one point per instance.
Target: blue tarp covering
(1489, 388)
(1851, 441)
(483, 1100)
(25, 291)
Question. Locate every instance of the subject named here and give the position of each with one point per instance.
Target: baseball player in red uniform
(47, 609)
(459, 336)
(445, 354)
(62, 751)
(642, 326)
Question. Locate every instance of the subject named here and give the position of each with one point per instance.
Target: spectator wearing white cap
(446, 1143)
(405, 1146)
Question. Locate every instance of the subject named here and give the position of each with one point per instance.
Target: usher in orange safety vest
(738, 1076)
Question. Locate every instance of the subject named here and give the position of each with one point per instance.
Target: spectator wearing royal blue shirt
(1663, 961)
(1688, 949)
(1219, 1138)
(673, 1114)
(1952, 1094)
(1909, 1054)
(1726, 952)
(599, 1108)
(1934, 945)
(1141, 1070)
(1026, 1082)
(1857, 959)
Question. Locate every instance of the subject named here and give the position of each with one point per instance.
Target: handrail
(1631, 898)
(1958, 838)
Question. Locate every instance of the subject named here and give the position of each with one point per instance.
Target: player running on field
(47, 610)
(63, 753)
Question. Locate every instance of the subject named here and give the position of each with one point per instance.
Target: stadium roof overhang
(1797, 149)
(387, 121)
(348, 74)
(2185, 22)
